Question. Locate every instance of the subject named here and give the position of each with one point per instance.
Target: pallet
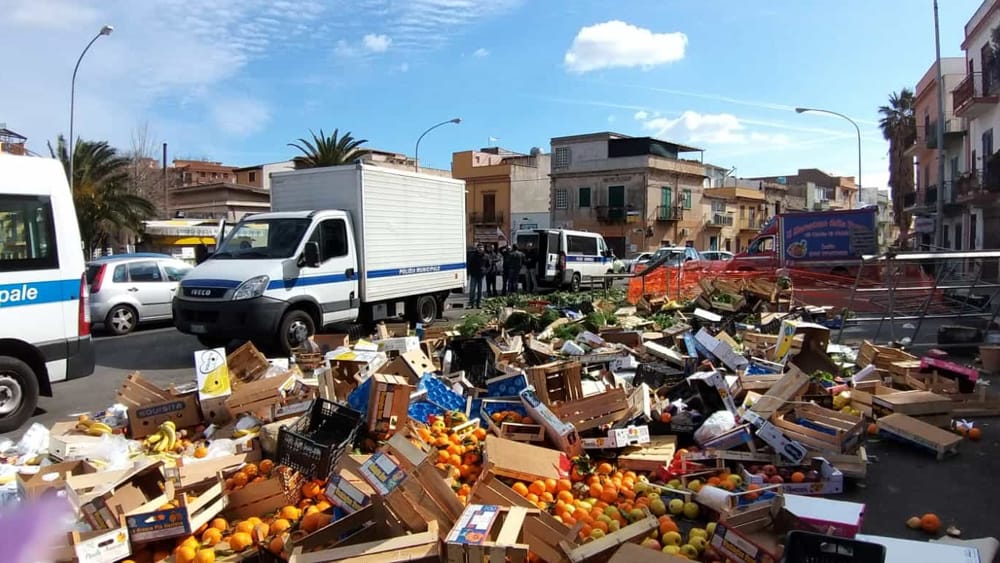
(542, 532)
(651, 457)
(821, 429)
(593, 411)
(489, 533)
(910, 430)
(556, 381)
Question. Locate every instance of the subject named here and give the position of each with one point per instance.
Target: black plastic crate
(315, 442)
(807, 547)
(657, 375)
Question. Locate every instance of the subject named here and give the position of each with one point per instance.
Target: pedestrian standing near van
(495, 261)
(476, 269)
(530, 266)
(512, 268)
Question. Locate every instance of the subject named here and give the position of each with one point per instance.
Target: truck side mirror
(312, 254)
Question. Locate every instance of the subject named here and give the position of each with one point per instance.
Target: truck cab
(275, 275)
(761, 254)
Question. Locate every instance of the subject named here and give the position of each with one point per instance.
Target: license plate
(198, 329)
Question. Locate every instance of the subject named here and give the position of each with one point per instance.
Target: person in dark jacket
(530, 266)
(476, 269)
(512, 269)
(494, 261)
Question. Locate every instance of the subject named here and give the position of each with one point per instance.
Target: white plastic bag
(715, 425)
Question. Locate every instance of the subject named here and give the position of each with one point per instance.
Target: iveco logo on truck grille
(201, 292)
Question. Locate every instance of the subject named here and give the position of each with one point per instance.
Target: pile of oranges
(249, 473)
(500, 417)
(459, 454)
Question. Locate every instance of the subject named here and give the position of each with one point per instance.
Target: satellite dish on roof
(535, 151)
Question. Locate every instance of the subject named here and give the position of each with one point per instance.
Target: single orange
(240, 541)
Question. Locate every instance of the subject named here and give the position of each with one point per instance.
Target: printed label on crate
(728, 543)
(382, 473)
(158, 525)
(473, 527)
(345, 494)
(282, 411)
(212, 373)
(112, 546)
(160, 409)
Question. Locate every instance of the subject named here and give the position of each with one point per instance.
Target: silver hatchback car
(127, 289)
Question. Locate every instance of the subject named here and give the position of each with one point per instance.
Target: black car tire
(18, 377)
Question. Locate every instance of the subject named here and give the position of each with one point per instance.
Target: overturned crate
(593, 411)
(556, 381)
(820, 428)
(246, 364)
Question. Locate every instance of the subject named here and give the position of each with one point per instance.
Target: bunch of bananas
(163, 440)
(92, 427)
(249, 431)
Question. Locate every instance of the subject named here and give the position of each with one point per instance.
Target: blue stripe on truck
(409, 271)
(38, 292)
(227, 284)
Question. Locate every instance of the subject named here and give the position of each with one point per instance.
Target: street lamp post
(106, 30)
(416, 152)
(856, 128)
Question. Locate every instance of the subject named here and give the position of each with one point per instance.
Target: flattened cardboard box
(50, 479)
(149, 406)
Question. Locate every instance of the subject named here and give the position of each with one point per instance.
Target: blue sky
(236, 80)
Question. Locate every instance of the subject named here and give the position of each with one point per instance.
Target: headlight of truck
(253, 287)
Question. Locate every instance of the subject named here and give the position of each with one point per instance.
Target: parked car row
(129, 289)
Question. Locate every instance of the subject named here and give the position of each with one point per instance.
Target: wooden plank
(365, 550)
(630, 533)
(593, 411)
(792, 384)
(650, 457)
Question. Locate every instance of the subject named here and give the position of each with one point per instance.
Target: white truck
(342, 244)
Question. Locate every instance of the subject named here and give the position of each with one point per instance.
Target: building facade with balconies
(745, 211)
(976, 99)
(812, 189)
(636, 191)
(504, 191)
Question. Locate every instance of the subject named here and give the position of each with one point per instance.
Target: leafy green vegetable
(567, 331)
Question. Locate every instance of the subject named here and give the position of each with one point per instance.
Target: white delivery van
(44, 314)
(343, 244)
(566, 258)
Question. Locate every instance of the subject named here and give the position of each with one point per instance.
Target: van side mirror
(312, 254)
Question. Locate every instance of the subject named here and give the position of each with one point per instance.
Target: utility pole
(166, 194)
(939, 207)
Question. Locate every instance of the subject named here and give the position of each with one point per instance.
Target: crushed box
(149, 406)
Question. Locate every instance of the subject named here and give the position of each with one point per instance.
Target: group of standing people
(486, 264)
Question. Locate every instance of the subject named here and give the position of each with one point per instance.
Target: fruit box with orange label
(104, 546)
(282, 487)
(172, 515)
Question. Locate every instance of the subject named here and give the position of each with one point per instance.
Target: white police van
(566, 258)
(44, 314)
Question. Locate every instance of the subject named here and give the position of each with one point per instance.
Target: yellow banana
(99, 429)
(154, 438)
(169, 428)
(160, 446)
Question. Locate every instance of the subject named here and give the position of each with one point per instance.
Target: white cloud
(618, 44)
(376, 43)
(717, 129)
(480, 52)
(57, 14)
(240, 116)
(404, 67)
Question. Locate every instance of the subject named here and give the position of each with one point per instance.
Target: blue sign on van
(37, 293)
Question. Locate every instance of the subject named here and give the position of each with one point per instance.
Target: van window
(27, 234)
(581, 245)
(523, 240)
(144, 272)
(332, 238)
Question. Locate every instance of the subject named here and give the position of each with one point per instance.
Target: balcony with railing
(668, 213)
(976, 186)
(954, 129)
(611, 215)
(976, 93)
(748, 224)
(910, 200)
(480, 218)
(718, 220)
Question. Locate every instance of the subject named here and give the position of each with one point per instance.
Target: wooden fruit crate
(651, 457)
(308, 361)
(882, 356)
(930, 382)
(593, 411)
(246, 364)
(908, 429)
(542, 531)
(556, 381)
(602, 549)
(820, 428)
(792, 383)
(489, 533)
(899, 371)
(424, 496)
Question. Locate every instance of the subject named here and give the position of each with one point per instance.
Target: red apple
(776, 480)
(770, 470)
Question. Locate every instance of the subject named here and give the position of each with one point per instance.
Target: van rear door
(548, 252)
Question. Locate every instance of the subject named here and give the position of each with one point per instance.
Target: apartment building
(11, 142)
(887, 231)
(922, 202)
(744, 213)
(974, 201)
(815, 190)
(504, 191)
(636, 191)
(259, 176)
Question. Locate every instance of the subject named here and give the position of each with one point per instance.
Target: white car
(641, 258)
(717, 255)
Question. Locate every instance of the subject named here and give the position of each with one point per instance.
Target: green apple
(671, 538)
(697, 533)
(689, 551)
(676, 506)
(736, 480)
(671, 549)
(690, 510)
(674, 483)
(699, 543)
(657, 507)
(710, 529)
(694, 485)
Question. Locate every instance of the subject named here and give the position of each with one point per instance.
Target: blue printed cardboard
(382, 473)
(358, 399)
(508, 385)
(439, 394)
(346, 495)
(158, 525)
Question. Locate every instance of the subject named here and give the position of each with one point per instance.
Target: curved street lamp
(856, 128)
(416, 151)
(106, 30)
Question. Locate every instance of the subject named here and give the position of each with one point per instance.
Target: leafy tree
(899, 127)
(328, 151)
(105, 208)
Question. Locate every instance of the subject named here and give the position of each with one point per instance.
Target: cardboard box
(913, 431)
(105, 546)
(561, 434)
(66, 444)
(831, 479)
(149, 406)
(382, 472)
(735, 438)
(151, 523)
(772, 436)
(619, 438)
(507, 458)
(411, 365)
(345, 494)
(50, 479)
(212, 374)
(713, 389)
(913, 403)
(834, 517)
(721, 350)
(907, 551)
(387, 404)
(398, 345)
(356, 364)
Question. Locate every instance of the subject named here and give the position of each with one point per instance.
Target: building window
(584, 198)
(743, 212)
(562, 200)
(988, 144)
(718, 207)
(201, 174)
(687, 199)
(560, 157)
(253, 176)
(666, 196)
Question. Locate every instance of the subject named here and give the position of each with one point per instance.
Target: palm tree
(899, 127)
(328, 151)
(105, 208)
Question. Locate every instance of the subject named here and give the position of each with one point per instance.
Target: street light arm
(416, 150)
(856, 128)
(106, 30)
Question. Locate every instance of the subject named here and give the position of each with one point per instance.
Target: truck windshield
(761, 246)
(262, 239)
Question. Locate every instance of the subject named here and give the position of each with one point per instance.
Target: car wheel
(296, 327)
(425, 310)
(574, 284)
(18, 393)
(121, 319)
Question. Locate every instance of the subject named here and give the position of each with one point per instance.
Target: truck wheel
(18, 393)
(296, 327)
(574, 284)
(121, 320)
(425, 310)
